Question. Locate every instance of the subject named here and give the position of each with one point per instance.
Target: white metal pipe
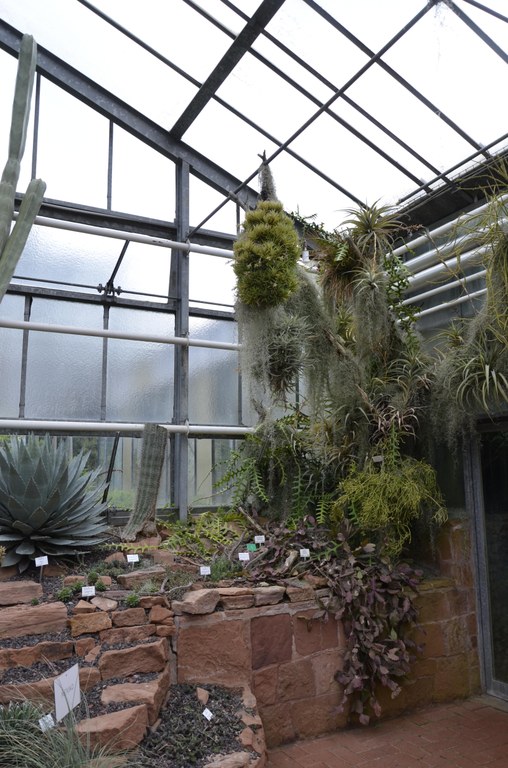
(446, 287)
(446, 268)
(191, 430)
(110, 334)
(452, 303)
(74, 226)
(444, 228)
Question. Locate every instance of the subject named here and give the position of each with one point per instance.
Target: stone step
(152, 694)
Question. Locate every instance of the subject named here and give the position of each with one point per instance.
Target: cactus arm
(19, 235)
(12, 244)
(22, 100)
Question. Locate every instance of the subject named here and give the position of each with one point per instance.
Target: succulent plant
(12, 243)
(49, 505)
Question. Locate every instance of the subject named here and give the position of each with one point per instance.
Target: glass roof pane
(143, 180)
(72, 155)
(461, 74)
(145, 269)
(258, 93)
(112, 60)
(204, 200)
(313, 39)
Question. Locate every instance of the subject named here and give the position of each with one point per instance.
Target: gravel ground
(185, 738)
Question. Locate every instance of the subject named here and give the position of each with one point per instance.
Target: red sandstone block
(296, 680)
(216, 650)
(265, 682)
(271, 640)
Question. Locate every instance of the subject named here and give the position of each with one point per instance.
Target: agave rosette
(49, 505)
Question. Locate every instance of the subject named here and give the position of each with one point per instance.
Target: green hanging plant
(266, 254)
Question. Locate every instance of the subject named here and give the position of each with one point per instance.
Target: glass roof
(352, 102)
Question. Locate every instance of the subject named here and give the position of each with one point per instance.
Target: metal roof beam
(237, 50)
(387, 68)
(478, 31)
(128, 118)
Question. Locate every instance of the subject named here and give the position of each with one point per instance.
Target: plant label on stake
(67, 692)
(40, 562)
(87, 591)
(205, 570)
(259, 539)
(244, 556)
(132, 559)
(46, 723)
(207, 714)
(305, 553)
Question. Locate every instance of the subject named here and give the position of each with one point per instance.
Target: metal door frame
(476, 509)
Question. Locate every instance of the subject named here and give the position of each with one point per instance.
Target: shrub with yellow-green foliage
(266, 254)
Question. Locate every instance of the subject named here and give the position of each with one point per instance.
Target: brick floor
(465, 734)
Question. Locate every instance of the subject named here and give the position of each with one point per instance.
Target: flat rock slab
(268, 595)
(201, 601)
(118, 731)
(152, 694)
(89, 622)
(127, 635)
(33, 654)
(135, 578)
(104, 603)
(15, 592)
(42, 690)
(234, 760)
(148, 657)
(41, 619)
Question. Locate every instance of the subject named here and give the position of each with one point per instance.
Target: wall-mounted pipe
(452, 303)
(111, 334)
(192, 430)
(445, 287)
(89, 229)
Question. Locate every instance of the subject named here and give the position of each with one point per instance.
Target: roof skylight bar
(405, 83)
(478, 31)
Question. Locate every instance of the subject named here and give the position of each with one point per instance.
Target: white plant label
(133, 558)
(40, 561)
(46, 723)
(244, 555)
(67, 692)
(87, 591)
(305, 553)
(205, 570)
(259, 539)
(207, 713)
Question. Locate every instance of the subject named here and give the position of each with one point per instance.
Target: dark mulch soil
(185, 737)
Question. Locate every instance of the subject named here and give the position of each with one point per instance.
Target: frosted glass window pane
(64, 372)
(213, 375)
(74, 258)
(11, 341)
(145, 269)
(72, 153)
(140, 374)
(207, 465)
(212, 280)
(143, 179)
(125, 478)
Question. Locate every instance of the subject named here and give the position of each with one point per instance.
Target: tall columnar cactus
(142, 517)
(13, 243)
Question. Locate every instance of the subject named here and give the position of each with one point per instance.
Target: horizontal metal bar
(194, 430)
(446, 287)
(110, 334)
(447, 268)
(73, 226)
(452, 303)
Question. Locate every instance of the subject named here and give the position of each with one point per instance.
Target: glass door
(493, 558)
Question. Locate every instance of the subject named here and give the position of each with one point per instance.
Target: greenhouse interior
(168, 142)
